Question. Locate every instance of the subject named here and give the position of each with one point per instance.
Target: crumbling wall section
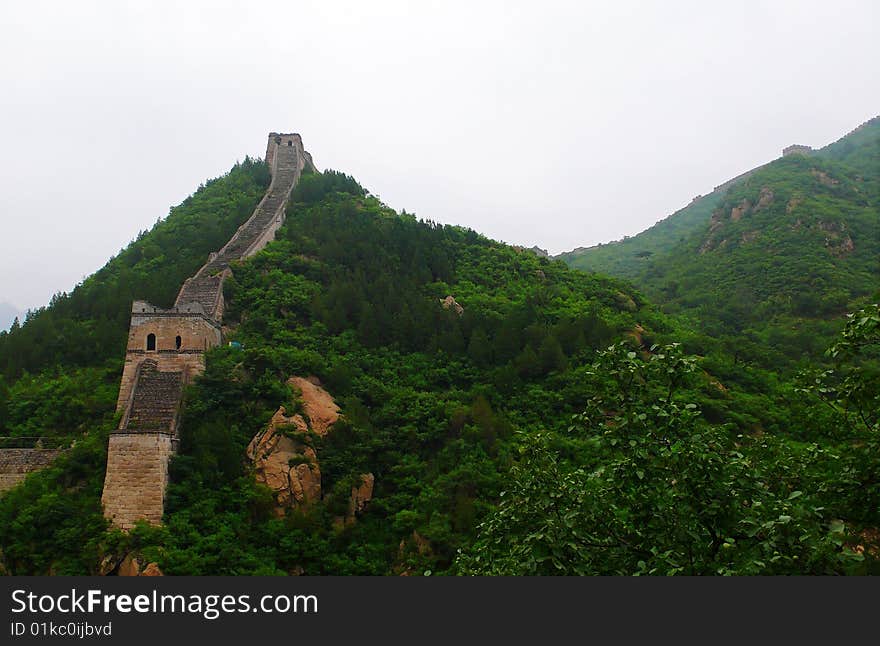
(16, 464)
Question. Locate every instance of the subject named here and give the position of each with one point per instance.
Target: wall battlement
(166, 350)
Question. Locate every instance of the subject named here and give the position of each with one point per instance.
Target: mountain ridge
(605, 255)
(778, 255)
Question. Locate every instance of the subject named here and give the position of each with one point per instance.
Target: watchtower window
(289, 142)
(177, 343)
(151, 342)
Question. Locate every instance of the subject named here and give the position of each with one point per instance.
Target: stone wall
(197, 334)
(16, 464)
(281, 139)
(137, 475)
(796, 149)
(154, 376)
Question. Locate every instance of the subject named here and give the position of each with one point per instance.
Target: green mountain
(500, 412)
(774, 258)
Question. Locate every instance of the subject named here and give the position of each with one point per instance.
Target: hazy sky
(551, 123)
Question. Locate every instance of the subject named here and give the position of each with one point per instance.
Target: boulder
(450, 303)
(284, 462)
(319, 407)
(152, 569)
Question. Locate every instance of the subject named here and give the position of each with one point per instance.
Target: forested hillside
(771, 265)
(626, 258)
(59, 370)
(518, 417)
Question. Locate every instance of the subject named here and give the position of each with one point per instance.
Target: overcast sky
(550, 123)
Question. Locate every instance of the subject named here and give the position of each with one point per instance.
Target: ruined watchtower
(797, 149)
(166, 350)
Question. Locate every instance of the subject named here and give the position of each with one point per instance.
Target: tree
(660, 492)
(851, 390)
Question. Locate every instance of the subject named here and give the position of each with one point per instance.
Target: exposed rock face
(284, 462)
(737, 212)
(319, 406)
(625, 302)
(415, 544)
(361, 495)
(837, 239)
(357, 503)
(824, 178)
(793, 203)
(765, 198)
(840, 246)
(450, 303)
(130, 565)
(715, 223)
(535, 250)
(152, 569)
(636, 334)
(282, 456)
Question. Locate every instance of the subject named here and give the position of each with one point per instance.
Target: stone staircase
(206, 291)
(154, 401)
(206, 287)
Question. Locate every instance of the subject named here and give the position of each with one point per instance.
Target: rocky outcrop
(765, 198)
(282, 455)
(128, 565)
(319, 407)
(824, 178)
(715, 223)
(837, 239)
(625, 302)
(284, 461)
(361, 495)
(737, 212)
(414, 547)
(152, 569)
(450, 303)
(636, 334)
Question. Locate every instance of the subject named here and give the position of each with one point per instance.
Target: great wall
(166, 350)
(20, 456)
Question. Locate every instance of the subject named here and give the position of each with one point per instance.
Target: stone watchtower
(166, 350)
(796, 149)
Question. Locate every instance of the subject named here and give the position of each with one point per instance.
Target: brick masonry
(16, 464)
(137, 475)
(166, 351)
